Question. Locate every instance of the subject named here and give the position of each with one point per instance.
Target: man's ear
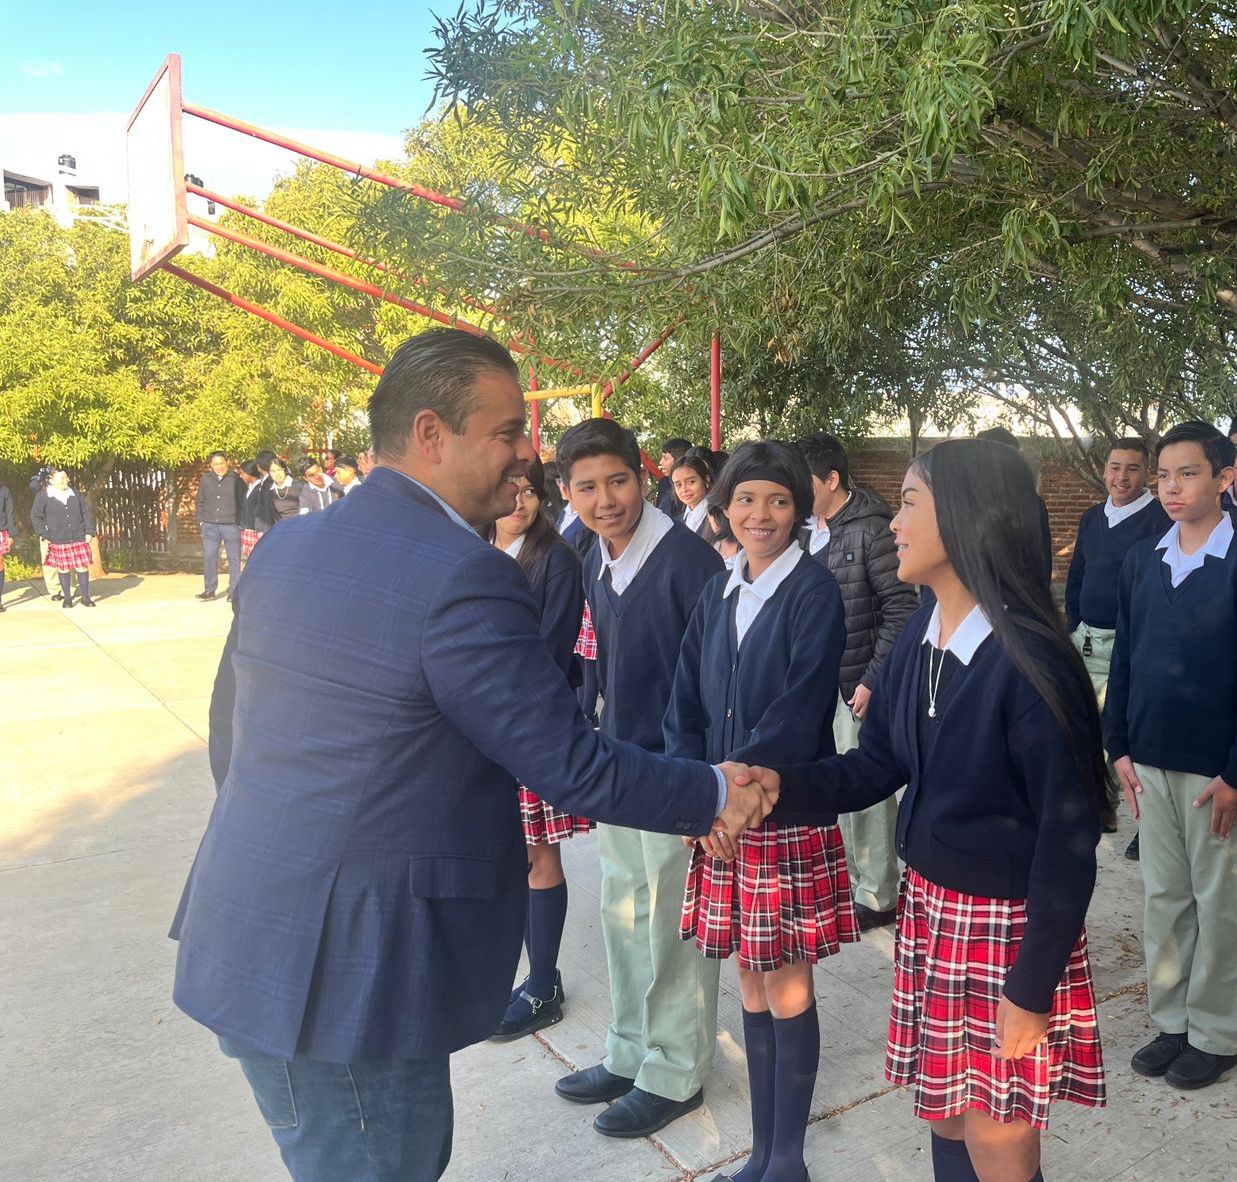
(428, 436)
(834, 482)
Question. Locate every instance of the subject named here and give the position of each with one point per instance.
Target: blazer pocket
(448, 877)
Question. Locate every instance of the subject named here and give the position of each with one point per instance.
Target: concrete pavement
(104, 796)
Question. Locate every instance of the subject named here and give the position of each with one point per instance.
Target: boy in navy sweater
(641, 580)
(1170, 726)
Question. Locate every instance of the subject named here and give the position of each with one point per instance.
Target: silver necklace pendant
(931, 711)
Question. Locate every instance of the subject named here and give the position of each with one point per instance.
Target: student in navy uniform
(65, 522)
(673, 450)
(8, 525)
(757, 678)
(642, 580)
(318, 492)
(692, 478)
(283, 496)
(347, 476)
(1171, 728)
(553, 573)
(984, 710)
(254, 508)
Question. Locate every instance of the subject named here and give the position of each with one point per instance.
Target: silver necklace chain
(934, 684)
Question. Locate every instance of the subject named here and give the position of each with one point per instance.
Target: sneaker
(1131, 850)
(1158, 1056)
(1197, 1069)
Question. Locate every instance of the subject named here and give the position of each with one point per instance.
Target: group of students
(981, 706)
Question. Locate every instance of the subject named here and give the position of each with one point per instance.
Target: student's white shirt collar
(60, 494)
(818, 538)
(1116, 514)
(652, 527)
(565, 518)
(513, 551)
(1181, 564)
(694, 517)
(754, 595)
(967, 637)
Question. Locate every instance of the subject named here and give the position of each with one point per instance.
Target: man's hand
(1018, 1031)
(1124, 767)
(751, 794)
(859, 701)
(1223, 799)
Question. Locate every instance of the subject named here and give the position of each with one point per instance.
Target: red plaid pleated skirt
(586, 642)
(953, 952)
(249, 539)
(6, 543)
(66, 556)
(786, 897)
(546, 825)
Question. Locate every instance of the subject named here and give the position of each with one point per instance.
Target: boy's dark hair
(347, 462)
(211, 458)
(1130, 443)
(1000, 435)
(677, 446)
(250, 468)
(824, 454)
(697, 464)
(1217, 448)
(263, 460)
(1232, 427)
(436, 370)
(304, 464)
(767, 459)
(597, 437)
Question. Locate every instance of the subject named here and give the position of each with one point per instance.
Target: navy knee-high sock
(761, 1052)
(66, 586)
(951, 1162)
(547, 913)
(798, 1059)
(83, 584)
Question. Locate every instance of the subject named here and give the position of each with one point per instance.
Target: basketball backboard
(158, 225)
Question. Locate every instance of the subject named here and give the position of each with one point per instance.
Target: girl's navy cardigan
(994, 807)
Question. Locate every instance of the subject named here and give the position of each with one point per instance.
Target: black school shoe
(1131, 850)
(527, 1014)
(1197, 1069)
(869, 919)
(593, 1085)
(641, 1114)
(1158, 1055)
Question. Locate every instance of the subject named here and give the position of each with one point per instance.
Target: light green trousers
(1099, 659)
(663, 992)
(870, 836)
(1190, 920)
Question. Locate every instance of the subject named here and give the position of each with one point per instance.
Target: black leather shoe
(205, 596)
(1158, 1055)
(731, 1177)
(1197, 1069)
(86, 602)
(640, 1113)
(528, 1014)
(869, 919)
(593, 1085)
(1131, 850)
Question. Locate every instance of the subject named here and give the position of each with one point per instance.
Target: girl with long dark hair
(692, 477)
(985, 712)
(553, 571)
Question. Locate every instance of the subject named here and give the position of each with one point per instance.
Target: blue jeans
(386, 1120)
(229, 536)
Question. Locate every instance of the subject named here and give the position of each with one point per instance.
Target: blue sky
(351, 66)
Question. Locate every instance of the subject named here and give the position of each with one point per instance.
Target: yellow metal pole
(598, 400)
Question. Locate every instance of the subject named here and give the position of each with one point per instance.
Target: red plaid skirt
(786, 897)
(953, 952)
(249, 539)
(546, 825)
(586, 642)
(66, 556)
(6, 543)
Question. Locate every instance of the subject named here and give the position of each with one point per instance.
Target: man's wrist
(722, 792)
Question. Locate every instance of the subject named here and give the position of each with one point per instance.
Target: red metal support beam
(715, 393)
(271, 317)
(656, 343)
(534, 412)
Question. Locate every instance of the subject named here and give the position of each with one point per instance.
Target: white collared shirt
(818, 538)
(565, 518)
(754, 595)
(1183, 565)
(447, 509)
(967, 637)
(513, 551)
(652, 527)
(1116, 514)
(694, 517)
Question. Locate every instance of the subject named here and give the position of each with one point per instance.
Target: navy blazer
(360, 889)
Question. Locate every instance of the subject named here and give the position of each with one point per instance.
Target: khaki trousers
(870, 836)
(1190, 920)
(664, 993)
(1100, 657)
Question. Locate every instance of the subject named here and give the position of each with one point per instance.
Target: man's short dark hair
(223, 455)
(1000, 435)
(263, 460)
(1130, 443)
(767, 459)
(345, 461)
(597, 437)
(437, 371)
(1217, 448)
(251, 469)
(824, 454)
(676, 446)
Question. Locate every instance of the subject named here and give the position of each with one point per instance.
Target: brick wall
(1065, 493)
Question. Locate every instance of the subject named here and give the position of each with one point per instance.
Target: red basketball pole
(534, 412)
(715, 393)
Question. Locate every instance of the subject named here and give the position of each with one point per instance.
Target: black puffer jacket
(863, 558)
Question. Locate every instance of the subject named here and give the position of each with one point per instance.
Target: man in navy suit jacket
(355, 910)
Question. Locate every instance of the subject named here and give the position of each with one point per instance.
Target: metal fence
(132, 509)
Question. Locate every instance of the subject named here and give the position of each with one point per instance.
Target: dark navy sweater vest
(640, 631)
(1172, 688)
(771, 699)
(1091, 586)
(994, 803)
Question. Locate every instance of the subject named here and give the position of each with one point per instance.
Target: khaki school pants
(1100, 657)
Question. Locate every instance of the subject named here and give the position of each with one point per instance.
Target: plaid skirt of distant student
(785, 897)
(6, 543)
(249, 539)
(586, 642)
(546, 825)
(66, 556)
(953, 952)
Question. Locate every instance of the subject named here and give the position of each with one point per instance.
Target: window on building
(23, 192)
(82, 196)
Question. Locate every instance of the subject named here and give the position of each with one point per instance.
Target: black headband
(763, 472)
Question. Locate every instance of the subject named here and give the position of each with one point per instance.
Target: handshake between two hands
(751, 793)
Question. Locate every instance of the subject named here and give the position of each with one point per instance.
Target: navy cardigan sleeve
(38, 514)
(685, 722)
(562, 607)
(1116, 701)
(1073, 580)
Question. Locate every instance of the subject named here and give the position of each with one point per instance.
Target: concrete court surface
(104, 796)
